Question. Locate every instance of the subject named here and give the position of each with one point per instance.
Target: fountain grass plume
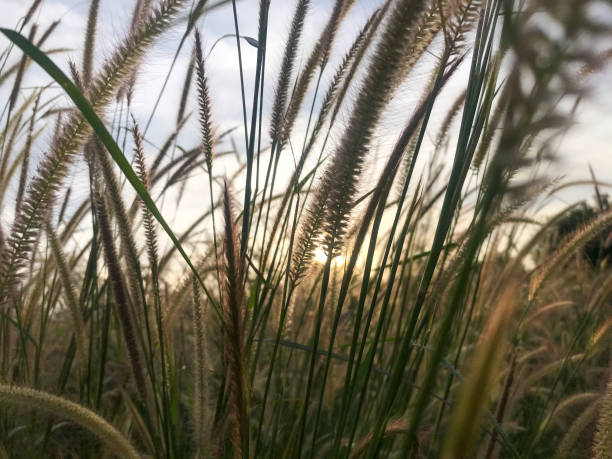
(120, 294)
(286, 70)
(233, 307)
(203, 104)
(60, 407)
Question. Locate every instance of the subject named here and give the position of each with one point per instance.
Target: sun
(321, 257)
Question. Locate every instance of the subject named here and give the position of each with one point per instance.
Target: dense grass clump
(339, 295)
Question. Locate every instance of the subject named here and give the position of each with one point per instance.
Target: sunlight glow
(321, 257)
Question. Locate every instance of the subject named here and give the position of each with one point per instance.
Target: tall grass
(353, 287)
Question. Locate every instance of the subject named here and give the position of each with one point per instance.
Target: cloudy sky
(588, 142)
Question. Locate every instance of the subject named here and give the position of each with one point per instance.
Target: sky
(587, 143)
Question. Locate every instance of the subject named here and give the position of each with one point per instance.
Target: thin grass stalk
(275, 272)
(164, 150)
(243, 97)
(263, 47)
(62, 212)
(273, 276)
(24, 21)
(25, 165)
(88, 290)
(186, 88)
(152, 253)
(352, 384)
(460, 345)
(264, 8)
(71, 299)
(19, 77)
(11, 128)
(302, 421)
(280, 103)
(405, 281)
(478, 233)
(288, 290)
(246, 130)
(33, 7)
(167, 256)
(448, 120)
(10, 131)
(6, 175)
(259, 150)
(200, 380)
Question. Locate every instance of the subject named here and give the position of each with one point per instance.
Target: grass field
(339, 292)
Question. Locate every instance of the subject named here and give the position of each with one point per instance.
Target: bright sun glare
(321, 257)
